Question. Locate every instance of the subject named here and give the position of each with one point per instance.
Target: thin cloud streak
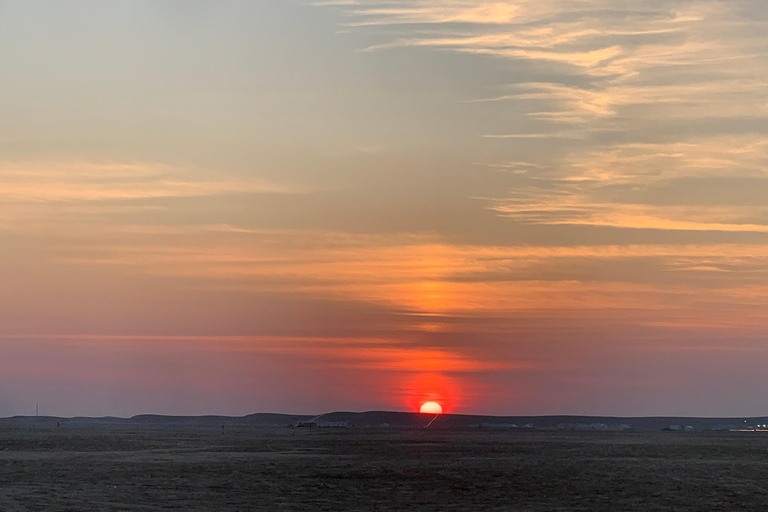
(372, 354)
(572, 208)
(86, 181)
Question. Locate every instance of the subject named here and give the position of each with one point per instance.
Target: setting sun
(431, 408)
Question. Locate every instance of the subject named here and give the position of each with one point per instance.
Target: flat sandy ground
(362, 469)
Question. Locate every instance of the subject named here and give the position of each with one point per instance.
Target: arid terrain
(254, 468)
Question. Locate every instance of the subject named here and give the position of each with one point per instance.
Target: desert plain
(242, 468)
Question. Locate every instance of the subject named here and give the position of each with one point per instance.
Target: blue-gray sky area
(508, 207)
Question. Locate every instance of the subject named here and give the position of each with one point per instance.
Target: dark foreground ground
(363, 469)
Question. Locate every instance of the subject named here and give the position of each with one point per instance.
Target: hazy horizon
(428, 416)
(511, 207)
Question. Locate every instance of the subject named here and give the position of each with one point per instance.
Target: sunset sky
(508, 207)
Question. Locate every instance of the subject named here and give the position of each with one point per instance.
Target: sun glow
(431, 408)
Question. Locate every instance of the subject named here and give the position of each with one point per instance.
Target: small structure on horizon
(332, 424)
(498, 425)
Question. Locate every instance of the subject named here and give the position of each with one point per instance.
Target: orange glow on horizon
(431, 387)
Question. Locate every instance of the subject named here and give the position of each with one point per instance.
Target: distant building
(594, 426)
(332, 424)
(724, 428)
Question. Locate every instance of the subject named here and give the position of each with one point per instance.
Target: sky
(511, 207)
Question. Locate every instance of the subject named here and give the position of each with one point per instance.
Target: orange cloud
(420, 275)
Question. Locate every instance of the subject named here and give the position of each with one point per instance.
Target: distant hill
(410, 420)
(388, 419)
(157, 420)
(258, 419)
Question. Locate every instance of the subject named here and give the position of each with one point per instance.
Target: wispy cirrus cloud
(710, 184)
(560, 103)
(727, 155)
(61, 198)
(41, 181)
(597, 37)
(573, 208)
(621, 93)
